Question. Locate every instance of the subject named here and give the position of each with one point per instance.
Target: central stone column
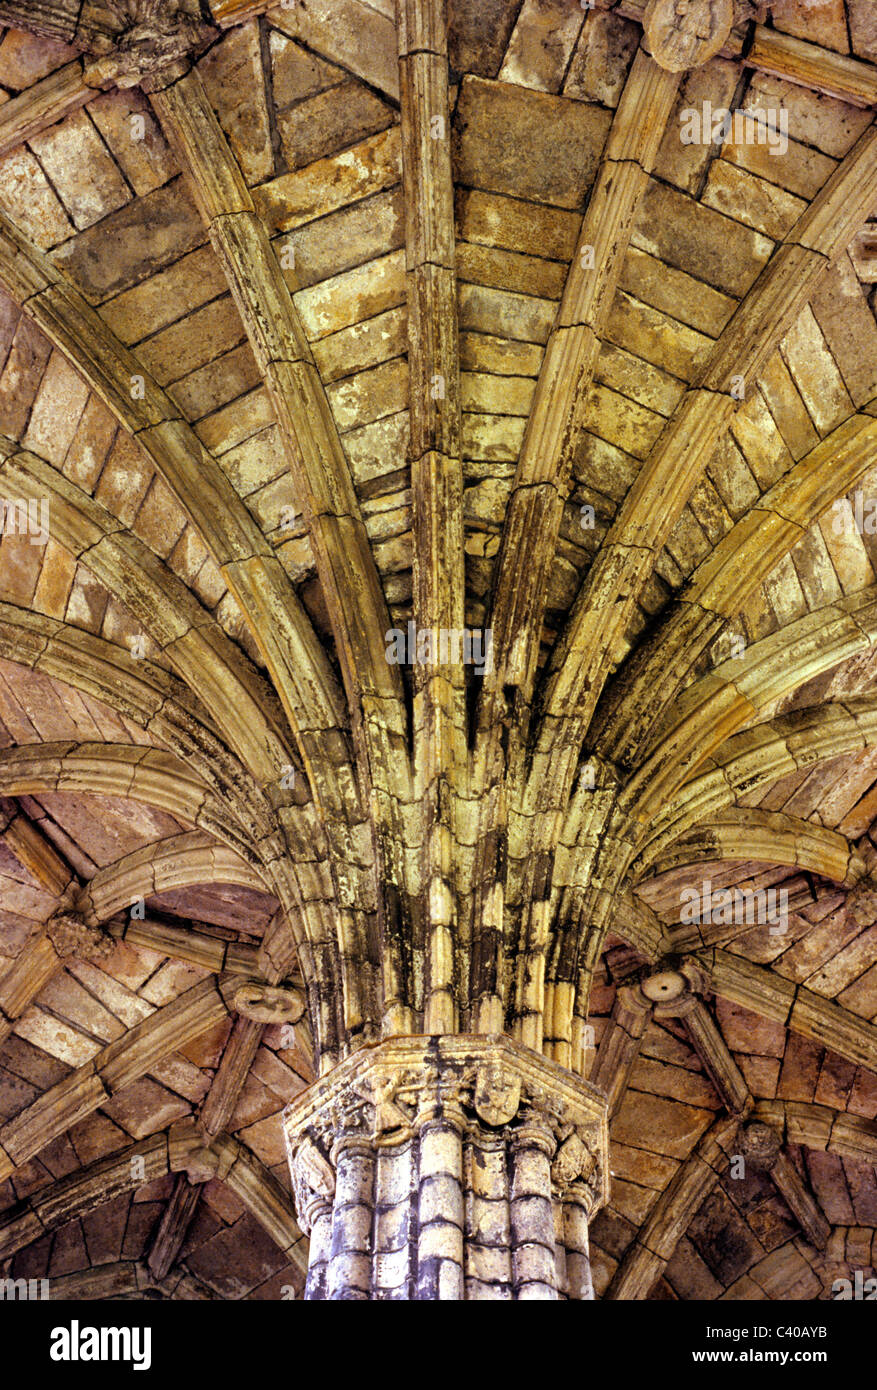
(456, 1167)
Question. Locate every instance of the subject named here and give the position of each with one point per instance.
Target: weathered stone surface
(145, 159)
(724, 254)
(27, 196)
(722, 1239)
(675, 1127)
(298, 198)
(322, 124)
(740, 195)
(803, 172)
(681, 163)
(863, 29)
(231, 1273)
(505, 141)
(232, 73)
(174, 228)
(296, 73)
(26, 58)
(165, 297)
(604, 52)
(351, 34)
(82, 172)
(541, 44)
(823, 23)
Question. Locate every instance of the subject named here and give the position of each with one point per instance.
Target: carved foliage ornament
(72, 936)
(685, 34)
(155, 35)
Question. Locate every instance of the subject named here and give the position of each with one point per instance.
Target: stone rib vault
(438, 729)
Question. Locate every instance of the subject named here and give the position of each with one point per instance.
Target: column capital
(486, 1086)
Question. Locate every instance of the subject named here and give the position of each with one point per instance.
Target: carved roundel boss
(686, 33)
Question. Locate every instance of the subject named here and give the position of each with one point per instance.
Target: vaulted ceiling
(170, 653)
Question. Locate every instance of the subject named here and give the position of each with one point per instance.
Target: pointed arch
(589, 644)
(139, 690)
(125, 770)
(299, 667)
(720, 585)
(755, 758)
(770, 837)
(176, 862)
(208, 661)
(737, 691)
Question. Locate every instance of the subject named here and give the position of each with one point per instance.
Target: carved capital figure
(313, 1183)
(497, 1094)
(573, 1161)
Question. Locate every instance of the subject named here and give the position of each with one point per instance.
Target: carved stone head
(760, 1144)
